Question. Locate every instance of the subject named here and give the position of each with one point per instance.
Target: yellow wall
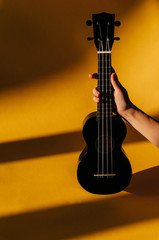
(45, 94)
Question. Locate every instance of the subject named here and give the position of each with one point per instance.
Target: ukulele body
(94, 171)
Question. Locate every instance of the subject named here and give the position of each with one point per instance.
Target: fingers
(118, 88)
(114, 80)
(96, 99)
(93, 75)
(95, 92)
(116, 84)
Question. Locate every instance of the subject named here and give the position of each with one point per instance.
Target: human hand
(121, 101)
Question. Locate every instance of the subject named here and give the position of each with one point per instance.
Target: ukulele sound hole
(104, 144)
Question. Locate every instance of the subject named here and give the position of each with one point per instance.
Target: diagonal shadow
(43, 146)
(41, 39)
(56, 144)
(145, 182)
(79, 219)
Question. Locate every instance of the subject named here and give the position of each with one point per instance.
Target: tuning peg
(117, 38)
(90, 38)
(89, 23)
(117, 23)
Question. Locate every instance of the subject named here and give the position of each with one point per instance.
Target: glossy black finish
(88, 160)
(103, 28)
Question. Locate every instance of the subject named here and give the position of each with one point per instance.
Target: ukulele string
(101, 105)
(98, 112)
(106, 104)
(103, 145)
(110, 92)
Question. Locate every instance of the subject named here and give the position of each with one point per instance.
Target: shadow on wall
(87, 218)
(40, 38)
(55, 144)
(145, 183)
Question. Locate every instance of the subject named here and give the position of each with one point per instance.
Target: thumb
(116, 84)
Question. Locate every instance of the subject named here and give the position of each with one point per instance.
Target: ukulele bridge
(105, 175)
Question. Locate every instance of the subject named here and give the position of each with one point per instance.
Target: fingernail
(115, 77)
(90, 75)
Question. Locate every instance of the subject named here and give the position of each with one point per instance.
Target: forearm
(143, 123)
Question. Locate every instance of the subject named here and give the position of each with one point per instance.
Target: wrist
(129, 111)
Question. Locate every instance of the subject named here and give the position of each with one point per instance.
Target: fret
(104, 112)
(104, 115)
(103, 71)
(103, 108)
(105, 99)
(103, 77)
(108, 90)
(106, 81)
(105, 94)
(102, 58)
(108, 102)
(102, 67)
(99, 117)
(105, 84)
(106, 106)
(108, 73)
(104, 55)
(100, 104)
(103, 63)
(99, 114)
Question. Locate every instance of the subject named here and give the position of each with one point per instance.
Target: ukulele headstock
(103, 30)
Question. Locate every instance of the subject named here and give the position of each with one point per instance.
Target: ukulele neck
(104, 107)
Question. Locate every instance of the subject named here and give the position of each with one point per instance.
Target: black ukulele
(103, 168)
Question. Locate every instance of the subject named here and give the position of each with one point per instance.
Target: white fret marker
(103, 51)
